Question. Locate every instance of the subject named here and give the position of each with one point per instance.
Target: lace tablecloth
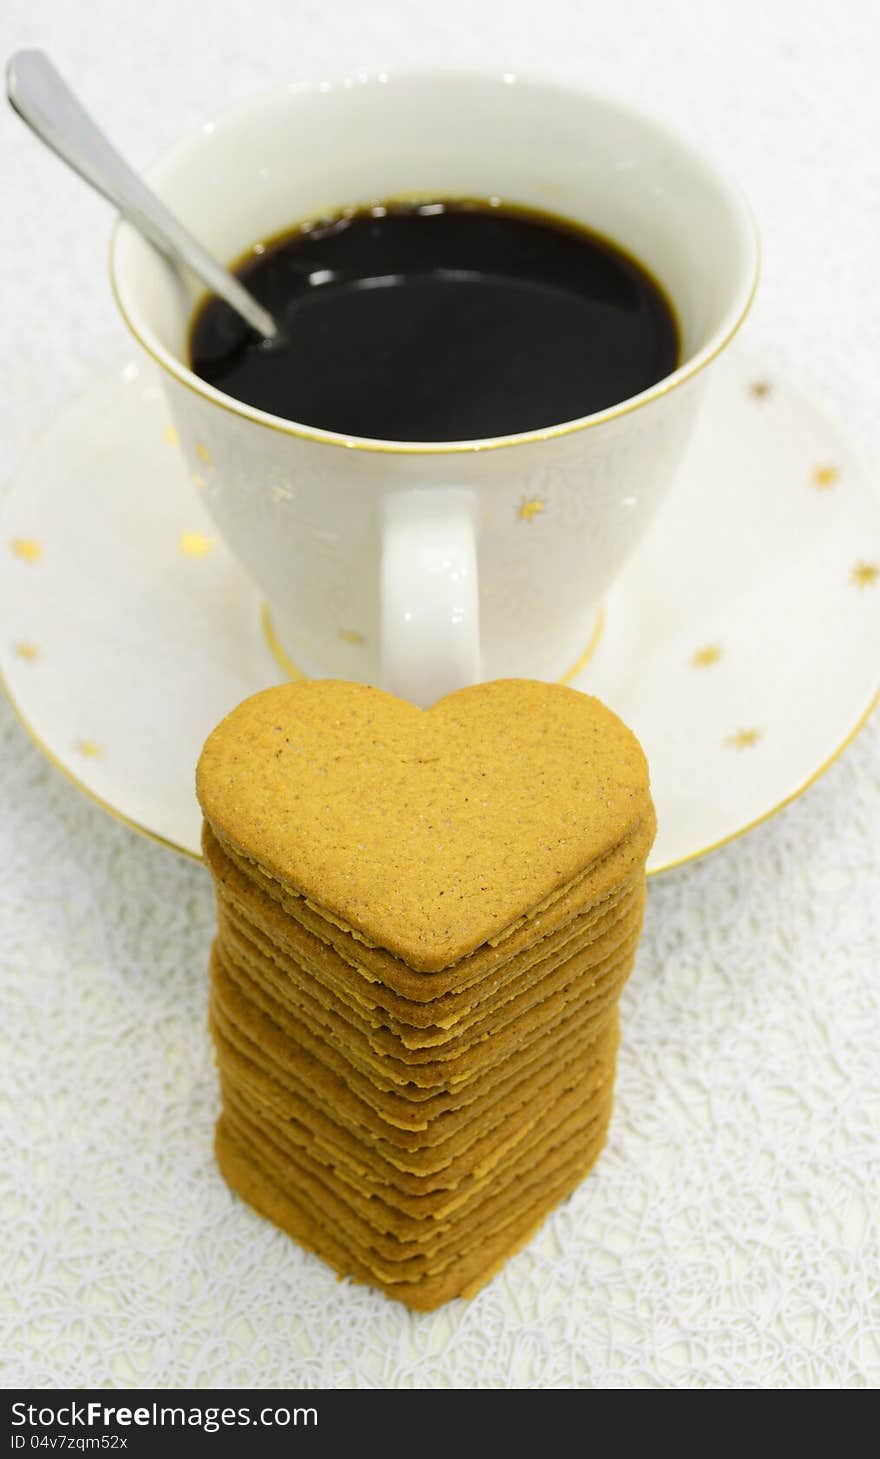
(729, 1234)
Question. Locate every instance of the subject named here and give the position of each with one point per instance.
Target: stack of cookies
(425, 922)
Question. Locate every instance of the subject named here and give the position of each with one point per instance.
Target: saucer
(741, 643)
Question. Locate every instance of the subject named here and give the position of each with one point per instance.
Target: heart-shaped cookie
(427, 833)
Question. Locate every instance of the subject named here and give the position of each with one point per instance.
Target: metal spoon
(43, 99)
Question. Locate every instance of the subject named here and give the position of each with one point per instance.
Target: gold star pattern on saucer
(824, 477)
(195, 544)
(26, 549)
(744, 739)
(865, 574)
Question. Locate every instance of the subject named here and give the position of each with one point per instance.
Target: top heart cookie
(426, 832)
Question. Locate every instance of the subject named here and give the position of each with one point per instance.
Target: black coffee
(440, 321)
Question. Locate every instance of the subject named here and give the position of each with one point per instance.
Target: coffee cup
(425, 566)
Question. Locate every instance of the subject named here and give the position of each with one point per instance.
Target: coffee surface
(440, 321)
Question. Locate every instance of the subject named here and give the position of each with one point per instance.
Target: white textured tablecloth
(729, 1236)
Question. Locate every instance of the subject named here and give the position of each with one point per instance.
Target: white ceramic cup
(424, 567)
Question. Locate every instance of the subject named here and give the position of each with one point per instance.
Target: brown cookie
(418, 1082)
(447, 991)
(329, 981)
(513, 1148)
(300, 996)
(409, 1113)
(461, 1278)
(371, 1160)
(425, 832)
(425, 919)
(322, 1100)
(437, 1242)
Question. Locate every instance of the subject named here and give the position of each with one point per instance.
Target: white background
(729, 1237)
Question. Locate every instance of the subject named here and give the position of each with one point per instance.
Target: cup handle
(429, 593)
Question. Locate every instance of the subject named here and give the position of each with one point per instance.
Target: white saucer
(741, 644)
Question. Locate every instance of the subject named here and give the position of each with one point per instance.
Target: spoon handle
(43, 99)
